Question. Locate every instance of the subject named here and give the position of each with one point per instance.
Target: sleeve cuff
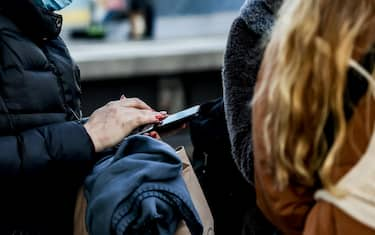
(70, 141)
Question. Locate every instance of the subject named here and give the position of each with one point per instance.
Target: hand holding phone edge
(173, 120)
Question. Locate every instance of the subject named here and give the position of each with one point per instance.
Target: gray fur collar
(259, 14)
(274, 5)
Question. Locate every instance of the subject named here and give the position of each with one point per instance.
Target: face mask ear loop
(370, 79)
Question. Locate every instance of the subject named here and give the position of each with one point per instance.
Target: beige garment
(197, 197)
(196, 194)
(359, 188)
(79, 214)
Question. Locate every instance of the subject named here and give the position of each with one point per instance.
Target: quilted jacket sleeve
(32, 151)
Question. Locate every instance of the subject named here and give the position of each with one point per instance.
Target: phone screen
(179, 117)
(173, 121)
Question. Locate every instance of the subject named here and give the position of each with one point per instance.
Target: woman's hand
(157, 136)
(110, 124)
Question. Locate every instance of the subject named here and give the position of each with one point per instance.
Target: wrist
(97, 143)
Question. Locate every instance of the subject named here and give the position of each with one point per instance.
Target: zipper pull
(78, 117)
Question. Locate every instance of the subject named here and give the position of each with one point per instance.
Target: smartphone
(173, 121)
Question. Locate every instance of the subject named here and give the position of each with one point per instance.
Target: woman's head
(305, 78)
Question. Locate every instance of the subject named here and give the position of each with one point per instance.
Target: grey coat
(243, 56)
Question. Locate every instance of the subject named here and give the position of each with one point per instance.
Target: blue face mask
(53, 5)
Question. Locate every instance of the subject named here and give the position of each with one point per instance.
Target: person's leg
(149, 20)
(142, 17)
(137, 25)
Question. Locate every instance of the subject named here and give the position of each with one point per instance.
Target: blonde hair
(304, 81)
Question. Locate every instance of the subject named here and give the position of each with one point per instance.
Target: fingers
(134, 103)
(109, 124)
(135, 109)
(147, 116)
(133, 112)
(154, 134)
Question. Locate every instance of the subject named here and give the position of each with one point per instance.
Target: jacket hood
(274, 5)
(259, 15)
(35, 22)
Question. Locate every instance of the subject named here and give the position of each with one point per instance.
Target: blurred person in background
(142, 19)
(314, 112)
(46, 150)
(116, 10)
(140, 13)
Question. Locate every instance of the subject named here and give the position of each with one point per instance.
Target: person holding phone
(46, 150)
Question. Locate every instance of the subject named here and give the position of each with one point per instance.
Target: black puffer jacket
(44, 152)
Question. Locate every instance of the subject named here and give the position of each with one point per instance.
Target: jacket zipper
(56, 71)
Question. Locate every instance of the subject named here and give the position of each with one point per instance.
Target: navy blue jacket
(139, 190)
(45, 153)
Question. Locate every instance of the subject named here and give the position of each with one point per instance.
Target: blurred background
(167, 52)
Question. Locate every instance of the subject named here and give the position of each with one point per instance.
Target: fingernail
(122, 97)
(163, 112)
(159, 116)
